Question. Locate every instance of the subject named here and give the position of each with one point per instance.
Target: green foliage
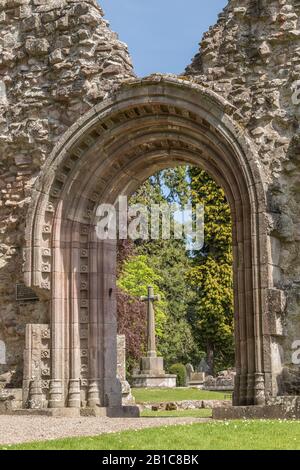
(193, 413)
(195, 316)
(167, 186)
(135, 278)
(211, 275)
(162, 395)
(180, 371)
(169, 259)
(218, 227)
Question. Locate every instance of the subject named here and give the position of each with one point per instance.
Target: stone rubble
(184, 405)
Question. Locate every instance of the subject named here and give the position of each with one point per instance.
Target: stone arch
(146, 125)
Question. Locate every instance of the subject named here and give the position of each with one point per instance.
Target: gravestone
(189, 371)
(203, 366)
(197, 379)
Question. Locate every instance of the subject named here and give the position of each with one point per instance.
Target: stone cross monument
(151, 340)
(152, 372)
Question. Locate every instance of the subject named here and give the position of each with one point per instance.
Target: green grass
(250, 435)
(157, 395)
(199, 413)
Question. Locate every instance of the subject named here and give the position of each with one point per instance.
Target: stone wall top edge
(48, 4)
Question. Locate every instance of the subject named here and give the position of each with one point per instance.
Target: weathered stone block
(37, 47)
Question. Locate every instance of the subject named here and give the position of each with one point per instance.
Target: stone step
(257, 412)
(114, 412)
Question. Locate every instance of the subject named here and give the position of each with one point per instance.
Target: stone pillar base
(49, 412)
(256, 412)
(154, 381)
(97, 412)
(152, 366)
(113, 412)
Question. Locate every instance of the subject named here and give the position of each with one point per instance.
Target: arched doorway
(147, 125)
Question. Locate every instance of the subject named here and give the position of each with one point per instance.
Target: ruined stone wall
(58, 58)
(252, 58)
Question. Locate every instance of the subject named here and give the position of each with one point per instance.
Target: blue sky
(162, 35)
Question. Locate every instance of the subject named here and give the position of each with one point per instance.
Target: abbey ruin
(78, 128)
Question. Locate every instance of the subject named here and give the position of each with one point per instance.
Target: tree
(211, 311)
(167, 186)
(132, 324)
(134, 280)
(196, 315)
(131, 312)
(170, 259)
(163, 264)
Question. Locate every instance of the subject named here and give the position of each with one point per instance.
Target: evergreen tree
(211, 312)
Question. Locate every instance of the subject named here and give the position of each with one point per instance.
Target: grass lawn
(250, 435)
(200, 413)
(144, 395)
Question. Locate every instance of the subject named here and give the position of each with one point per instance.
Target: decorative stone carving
(36, 366)
(46, 229)
(36, 400)
(45, 354)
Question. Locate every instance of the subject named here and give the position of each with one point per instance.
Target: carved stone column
(59, 308)
(108, 327)
(36, 365)
(74, 398)
(259, 390)
(95, 341)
